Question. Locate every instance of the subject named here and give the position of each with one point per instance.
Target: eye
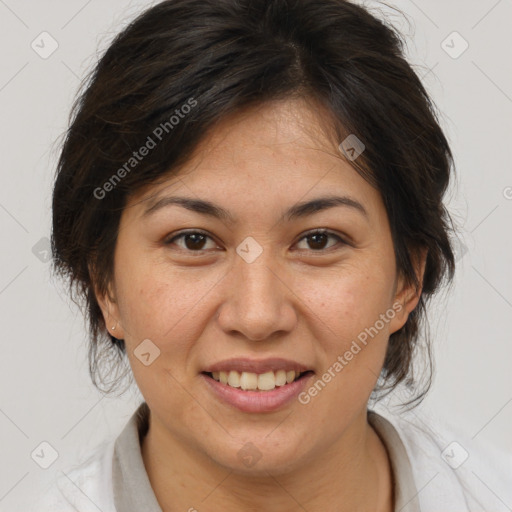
(193, 241)
(318, 238)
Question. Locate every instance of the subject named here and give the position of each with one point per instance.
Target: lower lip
(257, 401)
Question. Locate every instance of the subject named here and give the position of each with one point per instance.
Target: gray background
(45, 390)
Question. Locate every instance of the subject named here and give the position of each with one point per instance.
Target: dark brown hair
(222, 56)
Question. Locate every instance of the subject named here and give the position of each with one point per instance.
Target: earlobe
(407, 295)
(109, 308)
(111, 316)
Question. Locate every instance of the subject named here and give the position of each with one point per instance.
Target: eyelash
(306, 235)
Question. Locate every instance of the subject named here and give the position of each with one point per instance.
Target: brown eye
(193, 241)
(317, 240)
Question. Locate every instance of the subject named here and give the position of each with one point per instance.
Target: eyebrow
(298, 210)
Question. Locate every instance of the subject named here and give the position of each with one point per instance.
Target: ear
(406, 296)
(110, 310)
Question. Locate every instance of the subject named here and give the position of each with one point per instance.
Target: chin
(261, 456)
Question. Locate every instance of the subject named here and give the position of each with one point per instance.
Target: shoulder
(84, 487)
(451, 469)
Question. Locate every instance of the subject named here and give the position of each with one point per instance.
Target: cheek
(167, 308)
(351, 342)
(164, 304)
(346, 302)
(350, 336)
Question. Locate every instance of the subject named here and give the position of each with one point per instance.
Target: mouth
(256, 392)
(256, 385)
(262, 382)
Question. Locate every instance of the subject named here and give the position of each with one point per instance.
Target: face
(257, 291)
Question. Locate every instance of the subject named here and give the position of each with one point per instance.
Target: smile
(248, 381)
(256, 393)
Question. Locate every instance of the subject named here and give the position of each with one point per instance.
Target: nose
(259, 303)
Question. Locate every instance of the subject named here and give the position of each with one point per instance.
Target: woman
(250, 202)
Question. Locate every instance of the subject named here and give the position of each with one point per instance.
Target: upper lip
(242, 364)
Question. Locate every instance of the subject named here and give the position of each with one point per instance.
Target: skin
(297, 300)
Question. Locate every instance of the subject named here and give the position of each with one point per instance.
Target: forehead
(275, 153)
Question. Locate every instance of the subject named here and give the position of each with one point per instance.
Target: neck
(352, 475)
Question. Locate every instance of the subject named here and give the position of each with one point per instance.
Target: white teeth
(234, 379)
(249, 381)
(266, 381)
(253, 381)
(280, 378)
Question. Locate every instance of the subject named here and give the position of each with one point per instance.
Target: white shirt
(432, 472)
